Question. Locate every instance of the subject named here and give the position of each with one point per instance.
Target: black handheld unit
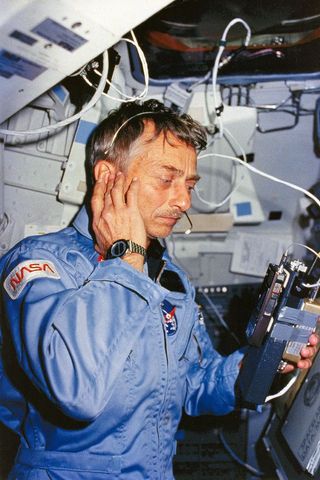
(278, 328)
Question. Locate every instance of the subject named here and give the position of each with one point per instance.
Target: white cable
(317, 254)
(217, 63)
(124, 124)
(174, 256)
(111, 85)
(270, 177)
(298, 20)
(284, 390)
(143, 94)
(235, 183)
(220, 317)
(143, 61)
(96, 96)
(235, 457)
(243, 153)
(79, 71)
(272, 106)
(213, 205)
(311, 285)
(199, 82)
(86, 79)
(75, 117)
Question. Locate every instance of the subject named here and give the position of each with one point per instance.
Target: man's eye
(166, 181)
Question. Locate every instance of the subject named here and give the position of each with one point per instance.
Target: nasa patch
(170, 319)
(25, 272)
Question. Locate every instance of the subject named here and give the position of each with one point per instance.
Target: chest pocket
(198, 344)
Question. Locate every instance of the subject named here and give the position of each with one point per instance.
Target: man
(103, 342)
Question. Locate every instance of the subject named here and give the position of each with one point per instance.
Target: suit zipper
(167, 372)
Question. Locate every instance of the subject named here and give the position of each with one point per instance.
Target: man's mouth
(170, 219)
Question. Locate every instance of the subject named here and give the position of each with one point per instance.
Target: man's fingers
(314, 339)
(288, 368)
(132, 193)
(109, 186)
(117, 191)
(98, 196)
(308, 352)
(304, 363)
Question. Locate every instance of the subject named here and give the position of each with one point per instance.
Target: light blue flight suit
(100, 360)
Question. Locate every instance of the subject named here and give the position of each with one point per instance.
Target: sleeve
(72, 340)
(211, 377)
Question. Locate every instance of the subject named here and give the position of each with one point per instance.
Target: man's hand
(307, 353)
(116, 215)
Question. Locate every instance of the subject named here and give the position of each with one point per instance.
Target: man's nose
(181, 198)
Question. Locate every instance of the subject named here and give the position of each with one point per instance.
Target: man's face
(167, 175)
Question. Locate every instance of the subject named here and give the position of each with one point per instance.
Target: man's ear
(101, 167)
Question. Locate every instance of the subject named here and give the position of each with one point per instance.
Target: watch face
(119, 248)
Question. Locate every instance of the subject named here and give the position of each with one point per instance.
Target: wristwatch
(120, 247)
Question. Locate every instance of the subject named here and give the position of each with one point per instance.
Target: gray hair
(116, 135)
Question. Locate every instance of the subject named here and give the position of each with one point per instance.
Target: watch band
(121, 247)
(135, 248)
